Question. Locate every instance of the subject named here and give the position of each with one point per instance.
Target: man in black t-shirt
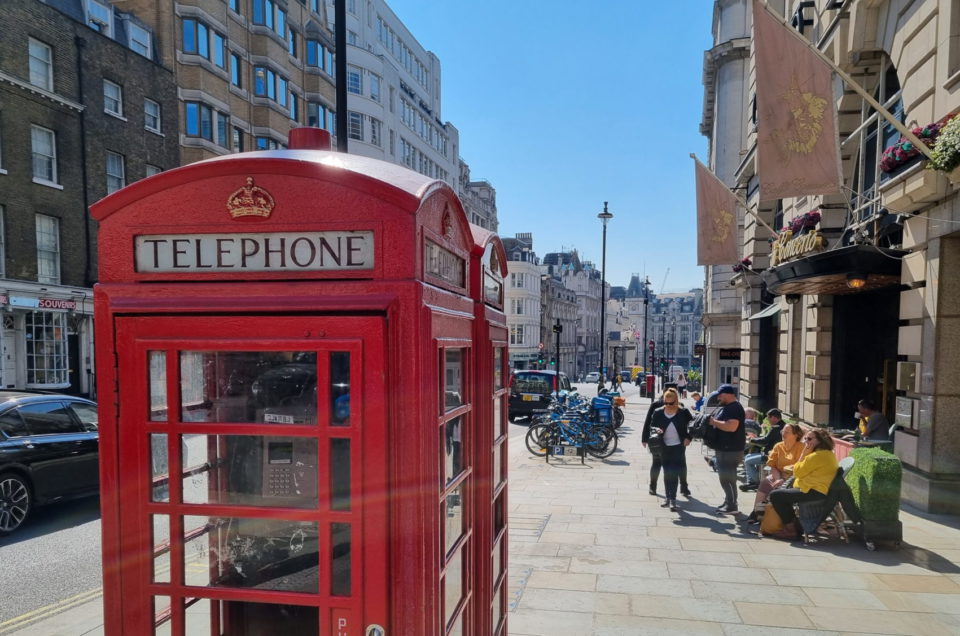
(731, 437)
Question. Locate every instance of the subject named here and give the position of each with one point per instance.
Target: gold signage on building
(786, 247)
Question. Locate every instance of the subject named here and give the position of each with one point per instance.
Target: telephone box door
(254, 492)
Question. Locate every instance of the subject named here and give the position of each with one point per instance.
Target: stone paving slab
(632, 567)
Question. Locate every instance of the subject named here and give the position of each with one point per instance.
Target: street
(52, 563)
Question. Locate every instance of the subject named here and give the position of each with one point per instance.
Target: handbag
(772, 523)
(711, 436)
(655, 441)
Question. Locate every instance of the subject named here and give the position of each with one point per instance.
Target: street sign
(540, 346)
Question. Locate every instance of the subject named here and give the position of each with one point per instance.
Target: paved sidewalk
(591, 552)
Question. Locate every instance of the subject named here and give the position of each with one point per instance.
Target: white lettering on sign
(273, 252)
(53, 303)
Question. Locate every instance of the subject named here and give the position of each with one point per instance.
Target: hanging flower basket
(742, 266)
(946, 152)
(903, 151)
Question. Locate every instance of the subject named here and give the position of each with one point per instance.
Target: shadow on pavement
(55, 517)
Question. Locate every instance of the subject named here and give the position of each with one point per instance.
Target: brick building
(84, 109)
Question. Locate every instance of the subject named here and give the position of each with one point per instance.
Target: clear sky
(563, 105)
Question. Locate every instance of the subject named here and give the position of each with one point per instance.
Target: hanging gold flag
(716, 220)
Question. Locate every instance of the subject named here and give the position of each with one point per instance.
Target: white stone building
(523, 304)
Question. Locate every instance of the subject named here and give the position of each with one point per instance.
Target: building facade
(583, 279)
(558, 310)
(866, 306)
(247, 71)
(84, 109)
(523, 302)
(676, 326)
(479, 199)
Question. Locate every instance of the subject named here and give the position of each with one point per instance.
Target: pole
(340, 37)
(558, 330)
(604, 217)
(886, 114)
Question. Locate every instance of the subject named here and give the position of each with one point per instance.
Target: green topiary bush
(875, 482)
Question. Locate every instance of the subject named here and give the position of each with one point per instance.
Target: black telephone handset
(290, 467)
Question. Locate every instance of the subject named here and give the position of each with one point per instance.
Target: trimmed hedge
(875, 482)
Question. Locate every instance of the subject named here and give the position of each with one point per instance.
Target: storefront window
(46, 336)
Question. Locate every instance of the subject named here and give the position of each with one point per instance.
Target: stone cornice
(735, 49)
(36, 90)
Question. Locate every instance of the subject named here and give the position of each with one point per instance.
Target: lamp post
(604, 217)
(673, 343)
(646, 310)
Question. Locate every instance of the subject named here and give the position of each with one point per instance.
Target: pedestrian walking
(618, 382)
(728, 419)
(656, 458)
(670, 425)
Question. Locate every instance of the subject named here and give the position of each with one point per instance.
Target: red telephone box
(285, 350)
(488, 269)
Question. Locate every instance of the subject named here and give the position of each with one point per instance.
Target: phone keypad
(281, 482)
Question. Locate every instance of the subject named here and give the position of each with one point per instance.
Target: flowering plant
(946, 152)
(903, 150)
(806, 221)
(742, 265)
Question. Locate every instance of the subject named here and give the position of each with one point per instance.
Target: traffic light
(540, 360)
(553, 361)
(663, 363)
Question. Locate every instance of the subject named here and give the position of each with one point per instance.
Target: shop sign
(729, 354)
(56, 303)
(699, 350)
(786, 247)
(255, 252)
(37, 303)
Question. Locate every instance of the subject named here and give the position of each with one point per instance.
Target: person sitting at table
(759, 447)
(813, 473)
(874, 426)
(783, 456)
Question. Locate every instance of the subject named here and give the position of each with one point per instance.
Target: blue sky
(563, 105)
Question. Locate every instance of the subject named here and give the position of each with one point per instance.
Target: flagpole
(738, 197)
(896, 123)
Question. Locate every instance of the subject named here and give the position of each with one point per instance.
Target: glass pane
(266, 554)
(161, 616)
(497, 468)
(161, 548)
(497, 562)
(340, 579)
(454, 517)
(498, 517)
(159, 467)
(457, 628)
(340, 388)
(453, 448)
(267, 618)
(250, 470)
(453, 584)
(198, 613)
(497, 610)
(498, 419)
(498, 367)
(273, 387)
(453, 378)
(340, 474)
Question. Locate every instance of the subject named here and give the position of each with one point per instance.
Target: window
(292, 43)
(199, 120)
(352, 6)
(316, 115)
(355, 126)
(375, 87)
(115, 172)
(518, 306)
(266, 143)
(237, 140)
(354, 80)
(140, 40)
(3, 243)
(266, 83)
(47, 358)
(41, 65)
(236, 70)
(316, 54)
(100, 17)
(48, 249)
(151, 115)
(235, 6)
(281, 90)
(352, 38)
(268, 14)
(223, 127)
(196, 38)
(44, 146)
(516, 334)
(294, 107)
(376, 136)
(219, 50)
(152, 170)
(112, 98)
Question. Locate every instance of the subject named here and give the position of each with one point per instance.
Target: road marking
(23, 620)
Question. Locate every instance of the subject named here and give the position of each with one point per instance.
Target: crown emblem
(250, 201)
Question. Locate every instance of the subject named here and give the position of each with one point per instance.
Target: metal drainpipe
(79, 42)
(340, 37)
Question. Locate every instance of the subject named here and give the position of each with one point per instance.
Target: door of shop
(254, 467)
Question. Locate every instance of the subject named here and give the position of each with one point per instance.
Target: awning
(826, 272)
(772, 310)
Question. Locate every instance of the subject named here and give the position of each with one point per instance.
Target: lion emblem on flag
(807, 110)
(722, 221)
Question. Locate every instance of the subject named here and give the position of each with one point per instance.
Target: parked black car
(49, 450)
(530, 391)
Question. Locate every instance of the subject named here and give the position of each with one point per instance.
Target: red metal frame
(400, 314)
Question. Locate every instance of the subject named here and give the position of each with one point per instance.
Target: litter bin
(875, 483)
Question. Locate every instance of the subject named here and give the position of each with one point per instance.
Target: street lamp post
(604, 217)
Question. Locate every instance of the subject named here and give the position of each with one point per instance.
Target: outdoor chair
(833, 510)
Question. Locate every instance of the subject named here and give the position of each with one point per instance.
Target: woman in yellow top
(813, 473)
(782, 457)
